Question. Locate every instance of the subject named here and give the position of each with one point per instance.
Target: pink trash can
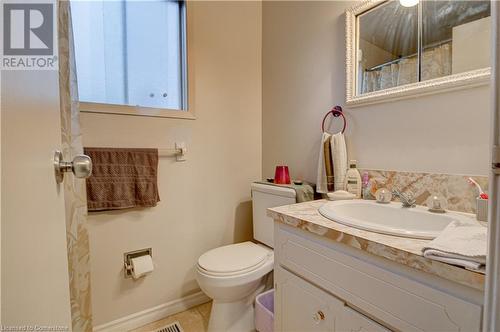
(264, 311)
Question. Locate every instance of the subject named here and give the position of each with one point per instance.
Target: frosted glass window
(131, 52)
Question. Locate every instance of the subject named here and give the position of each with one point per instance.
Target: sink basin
(390, 218)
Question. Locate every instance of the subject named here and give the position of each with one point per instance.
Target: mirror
(388, 43)
(456, 37)
(401, 48)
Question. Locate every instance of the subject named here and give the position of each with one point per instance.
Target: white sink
(389, 218)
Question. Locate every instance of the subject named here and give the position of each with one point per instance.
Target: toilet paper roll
(141, 266)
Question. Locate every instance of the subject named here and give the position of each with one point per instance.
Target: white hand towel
(339, 156)
(462, 244)
(321, 180)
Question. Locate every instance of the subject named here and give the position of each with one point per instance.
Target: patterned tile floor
(192, 320)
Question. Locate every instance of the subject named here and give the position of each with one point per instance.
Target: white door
(35, 288)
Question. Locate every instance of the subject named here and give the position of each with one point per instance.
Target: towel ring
(336, 112)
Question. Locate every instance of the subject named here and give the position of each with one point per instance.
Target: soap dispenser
(353, 180)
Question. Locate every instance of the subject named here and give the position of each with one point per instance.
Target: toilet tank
(266, 196)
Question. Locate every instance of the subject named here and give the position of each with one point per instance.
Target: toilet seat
(234, 259)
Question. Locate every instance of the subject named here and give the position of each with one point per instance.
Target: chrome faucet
(407, 199)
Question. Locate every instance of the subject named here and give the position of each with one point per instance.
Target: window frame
(187, 79)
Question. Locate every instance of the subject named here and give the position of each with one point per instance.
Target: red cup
(282, 176)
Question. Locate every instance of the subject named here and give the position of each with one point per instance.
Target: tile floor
(192, 320)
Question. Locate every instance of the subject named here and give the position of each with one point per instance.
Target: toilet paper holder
(127, 257)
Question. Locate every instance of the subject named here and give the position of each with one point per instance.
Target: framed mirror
(404, 48)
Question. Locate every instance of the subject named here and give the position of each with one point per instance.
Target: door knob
(81, 166)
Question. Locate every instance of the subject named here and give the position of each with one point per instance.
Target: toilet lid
(233, 258)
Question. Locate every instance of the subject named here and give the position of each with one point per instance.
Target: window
(131, 53)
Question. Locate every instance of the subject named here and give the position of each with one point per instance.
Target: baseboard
(150, 315)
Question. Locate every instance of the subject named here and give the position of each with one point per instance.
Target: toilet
(235, 274)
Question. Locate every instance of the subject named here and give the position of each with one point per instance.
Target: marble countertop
(401, 250)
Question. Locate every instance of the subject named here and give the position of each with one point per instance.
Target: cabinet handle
(318, 317)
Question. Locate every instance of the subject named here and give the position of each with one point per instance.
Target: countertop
(404, 251)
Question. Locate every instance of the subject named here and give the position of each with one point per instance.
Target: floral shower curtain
(74, 189)
(436, 62)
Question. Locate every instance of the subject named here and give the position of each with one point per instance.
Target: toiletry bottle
(353, 180)
(365, 189)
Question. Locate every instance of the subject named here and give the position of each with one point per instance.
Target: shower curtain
(436, 62)
(74, 189)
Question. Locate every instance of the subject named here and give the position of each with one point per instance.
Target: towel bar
(179, 151)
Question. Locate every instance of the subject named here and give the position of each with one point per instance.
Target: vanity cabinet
(305, 307)
(324, 285)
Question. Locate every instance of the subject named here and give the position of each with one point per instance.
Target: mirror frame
(463, 80)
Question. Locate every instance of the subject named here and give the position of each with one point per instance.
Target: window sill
(135, 111)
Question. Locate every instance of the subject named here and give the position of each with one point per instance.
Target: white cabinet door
(302, 306)
(353, 321)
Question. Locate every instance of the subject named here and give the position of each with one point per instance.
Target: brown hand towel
(122, 178)
(330, 179)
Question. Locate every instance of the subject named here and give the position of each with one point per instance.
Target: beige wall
(468, 38)
(372, 55)
(205, 201)
(303, 77)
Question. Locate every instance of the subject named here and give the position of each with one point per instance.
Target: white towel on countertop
(462, 244)
(339, 155)
(321, 180)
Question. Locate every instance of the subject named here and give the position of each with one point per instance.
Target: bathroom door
(491, 321)
(34, 264)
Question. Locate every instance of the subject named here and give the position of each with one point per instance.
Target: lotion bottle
(353, 179)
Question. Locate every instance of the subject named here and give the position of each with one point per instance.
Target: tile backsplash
(458, 193)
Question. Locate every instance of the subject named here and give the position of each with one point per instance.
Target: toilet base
(237, 316)
(232, 317)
